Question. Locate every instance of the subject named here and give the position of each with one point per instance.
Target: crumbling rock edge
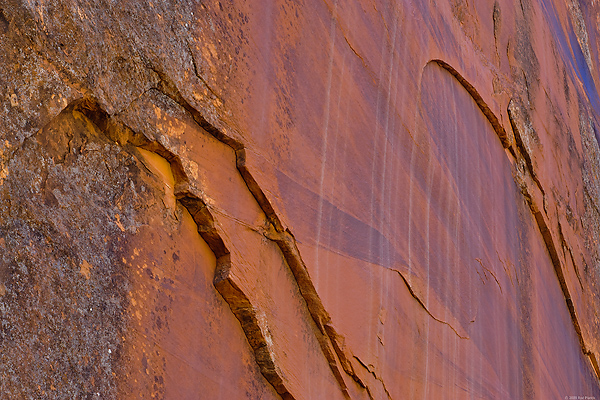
(332, 343)
(519, 122)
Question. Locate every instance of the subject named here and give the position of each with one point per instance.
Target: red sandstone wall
(307, 200)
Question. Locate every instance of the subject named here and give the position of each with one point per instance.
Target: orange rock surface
(300, 200)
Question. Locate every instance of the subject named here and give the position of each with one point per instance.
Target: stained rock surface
(299, 200)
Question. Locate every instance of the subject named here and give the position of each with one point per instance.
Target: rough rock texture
(299, 200)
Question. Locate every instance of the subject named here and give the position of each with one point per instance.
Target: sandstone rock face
(299, 200)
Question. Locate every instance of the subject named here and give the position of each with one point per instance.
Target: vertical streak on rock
(521, 152)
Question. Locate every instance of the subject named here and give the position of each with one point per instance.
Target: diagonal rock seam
(506, 143)
(374, 376)
(485, 109)
(331, 343)
(287, 243)
(515, 114)
(543, 226)
(237, 300)
(490, 271)
(414, 295)
(519, 151)
(197, 72)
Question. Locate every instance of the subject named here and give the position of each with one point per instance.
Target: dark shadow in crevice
(245, 312)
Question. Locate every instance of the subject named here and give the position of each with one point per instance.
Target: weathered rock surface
(299, 200)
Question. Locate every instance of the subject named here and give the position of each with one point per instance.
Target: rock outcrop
(299, 200)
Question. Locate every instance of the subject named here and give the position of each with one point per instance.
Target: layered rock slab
(252, 273)
(88, 308)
